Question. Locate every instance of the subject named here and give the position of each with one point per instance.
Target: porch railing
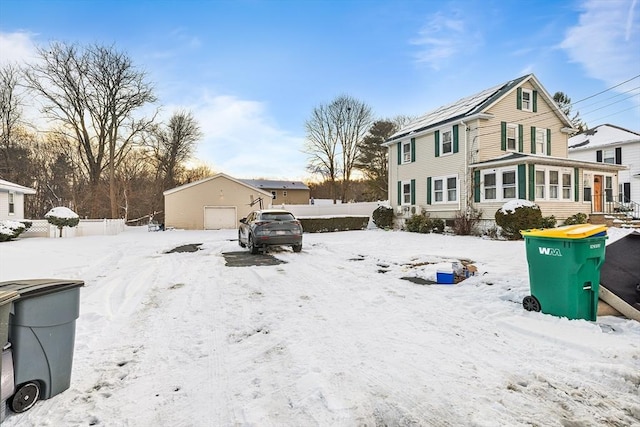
(616, 205)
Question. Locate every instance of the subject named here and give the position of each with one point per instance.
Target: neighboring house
(212, 203)
(614, 145)
(283, 192)
(12, 200)
(506, 142)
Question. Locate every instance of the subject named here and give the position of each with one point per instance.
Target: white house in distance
(612, 144)
(12, 200)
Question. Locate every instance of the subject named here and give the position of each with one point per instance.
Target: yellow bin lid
(577, 231)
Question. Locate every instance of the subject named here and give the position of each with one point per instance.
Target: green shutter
(535, 101)
(522, 182)
(533, 140)
(436, 136)
(399, 193)
(399, 153)
(520, 138)
(429, 190)
(413, 191)
(503, 136)
(455, 139)
(548, 142)
(532, 182)
(476, 186)
(576, 184)
(413, 149)
(519, 99)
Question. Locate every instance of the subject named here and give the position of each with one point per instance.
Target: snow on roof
(269, 184)
(11, 186)
(61, 212)
(601, 135)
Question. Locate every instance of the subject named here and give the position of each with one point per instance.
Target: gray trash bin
(42, 327)
(6, 364)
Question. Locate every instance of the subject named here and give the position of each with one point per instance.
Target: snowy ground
(332, 337)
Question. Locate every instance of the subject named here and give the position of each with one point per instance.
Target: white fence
(340, 209)
(86, 227)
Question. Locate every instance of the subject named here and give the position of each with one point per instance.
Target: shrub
(383, 217)
(421, 223)
(465, 223)
(328, 224)
(518, 215)
(578, 218)
(548, 222)
(62, 217)
(10, 230)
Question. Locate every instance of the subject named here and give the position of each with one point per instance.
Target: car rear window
(277, 216)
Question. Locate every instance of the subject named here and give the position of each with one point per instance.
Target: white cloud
(16, 47)
(240, 140)
(606, 41)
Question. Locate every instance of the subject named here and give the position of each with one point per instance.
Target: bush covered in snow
(516, 215)
(11, 229)
(383, 217)
(62, 217)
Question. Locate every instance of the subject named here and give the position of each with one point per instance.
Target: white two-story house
(504, 143)
(614, 145)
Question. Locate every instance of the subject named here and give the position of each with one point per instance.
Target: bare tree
(10, 114)
(93, 92)
(333, 135)
(564, 103)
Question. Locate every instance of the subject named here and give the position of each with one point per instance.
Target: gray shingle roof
(272, 185)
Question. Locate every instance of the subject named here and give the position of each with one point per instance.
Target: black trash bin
(42, 326)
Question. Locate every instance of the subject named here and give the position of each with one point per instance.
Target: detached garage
(211, 203)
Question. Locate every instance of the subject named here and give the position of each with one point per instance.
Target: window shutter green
(503, 136)
(399, 193)
(436, 136)
(519, 99)
(520, 138)
(455, 139)
(429, 190)
(576, 184)
(399, 153)
(532, 183)
(476, 186)
(413, 149)
(413, 191)
(522, 182)
(548, 142)
(535, 101)
(533, 140)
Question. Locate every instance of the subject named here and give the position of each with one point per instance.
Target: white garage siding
(219, 217)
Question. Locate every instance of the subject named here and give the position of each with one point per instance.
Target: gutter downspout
(466, 163)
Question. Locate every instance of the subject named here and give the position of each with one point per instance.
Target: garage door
(217, 217)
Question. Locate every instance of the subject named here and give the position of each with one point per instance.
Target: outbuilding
(12, 200)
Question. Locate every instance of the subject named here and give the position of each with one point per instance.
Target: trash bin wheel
(25, 397)
(531, 303)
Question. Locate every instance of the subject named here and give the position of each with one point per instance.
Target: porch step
(617, 219)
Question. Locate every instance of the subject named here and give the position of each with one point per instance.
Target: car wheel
(242, 245)
(252, 245)
(296, 248)
(25, 397)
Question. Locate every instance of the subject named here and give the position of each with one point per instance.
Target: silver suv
(270, 227)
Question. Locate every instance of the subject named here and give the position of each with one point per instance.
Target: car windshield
(277, 216)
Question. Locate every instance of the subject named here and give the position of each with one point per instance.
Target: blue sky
(251, 71)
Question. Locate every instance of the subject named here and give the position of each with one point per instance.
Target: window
(512, 138)
(541, 141)
(553, 184)
(445, 189)
(12, 205)
(609, 156)
(566, 186)
(406, 152)
(490, 186)
(406, 193)
(586, 186)
(527, 100)
(540, 184)
(509, 184)
(284, 193)
(447, 142)
(608, 188)
(273, 195)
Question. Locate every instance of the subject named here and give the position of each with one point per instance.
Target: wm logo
(550, 251)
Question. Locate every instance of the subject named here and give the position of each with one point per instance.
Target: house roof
(537, 159)
(601, 136)
(10, 186)
(211, 178)
(273, 185)
(470, 106)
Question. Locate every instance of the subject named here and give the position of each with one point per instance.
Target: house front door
(597, 193)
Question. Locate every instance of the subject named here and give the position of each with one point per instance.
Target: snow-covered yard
(332, 337)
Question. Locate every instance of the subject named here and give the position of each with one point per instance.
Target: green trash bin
(42, 336)
(564, 270)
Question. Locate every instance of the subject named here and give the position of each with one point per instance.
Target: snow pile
(61, 212)
(512, 205)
